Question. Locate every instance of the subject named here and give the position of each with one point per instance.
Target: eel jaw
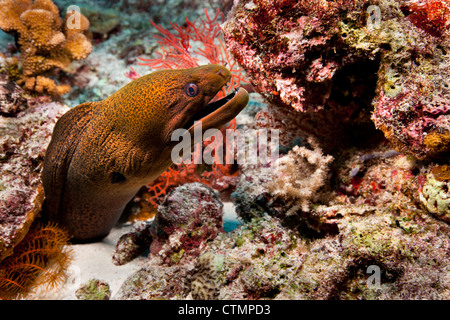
(218, 113)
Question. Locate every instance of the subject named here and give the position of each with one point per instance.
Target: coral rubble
(189, 216)
(132, 244)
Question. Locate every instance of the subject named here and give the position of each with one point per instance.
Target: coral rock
(205, 282)
(23, 140)
(320, 58)
(11, 100)
(132, 244)
(94, 289)
(189, 216)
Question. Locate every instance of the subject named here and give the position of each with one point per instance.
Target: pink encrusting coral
(189, 216)
(289, 48)
(433, 16)
(334, 62)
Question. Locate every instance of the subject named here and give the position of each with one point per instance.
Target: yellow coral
(44, 40)
(438, 141)
(78, 46)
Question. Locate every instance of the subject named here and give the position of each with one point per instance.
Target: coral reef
(329, 60)
(381, 232)
(357, 205)
(94, 289)
(23, 140)
(45, 40)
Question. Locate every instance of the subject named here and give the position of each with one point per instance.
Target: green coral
(94, 289)
(435, 196)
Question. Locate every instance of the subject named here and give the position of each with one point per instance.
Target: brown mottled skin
(102, 153)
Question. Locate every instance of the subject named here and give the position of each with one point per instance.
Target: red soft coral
(431, 16)
(176, 53)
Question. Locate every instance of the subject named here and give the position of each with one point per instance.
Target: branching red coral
(176, 53)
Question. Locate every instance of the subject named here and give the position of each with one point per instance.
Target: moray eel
(102, 153)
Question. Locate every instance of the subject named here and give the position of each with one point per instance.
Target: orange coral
(441, 173)
(438, 141)
(41, 258)
(44, 40)
(42, 84)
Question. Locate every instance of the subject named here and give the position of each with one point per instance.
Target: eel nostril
(221, 73)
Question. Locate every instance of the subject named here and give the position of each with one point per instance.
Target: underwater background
(357, 205)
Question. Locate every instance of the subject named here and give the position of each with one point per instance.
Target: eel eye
(191, 89)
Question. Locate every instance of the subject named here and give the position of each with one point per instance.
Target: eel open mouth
(218, 113)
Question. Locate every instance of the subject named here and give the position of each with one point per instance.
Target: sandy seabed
(94, 261)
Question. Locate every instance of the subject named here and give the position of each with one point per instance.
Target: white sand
(94, 260)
